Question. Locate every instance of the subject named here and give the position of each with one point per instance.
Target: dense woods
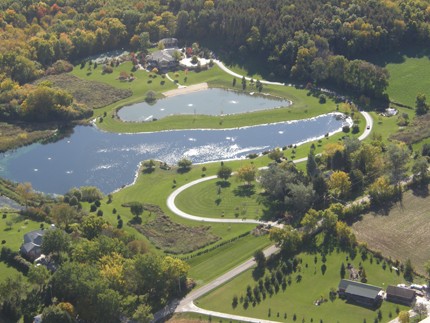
(305, 41)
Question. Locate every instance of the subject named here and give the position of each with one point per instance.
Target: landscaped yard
(297, 301)
(12, 228)
(402, 233)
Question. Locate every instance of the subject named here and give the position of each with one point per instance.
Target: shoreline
(186, 90)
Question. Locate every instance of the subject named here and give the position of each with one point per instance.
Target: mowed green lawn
(409, 76)
(299, 297)
(222, 199)
(12, 229)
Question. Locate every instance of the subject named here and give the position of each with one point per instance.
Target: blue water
(213, 102)
(108, 160)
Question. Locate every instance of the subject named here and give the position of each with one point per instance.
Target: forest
(320, 42)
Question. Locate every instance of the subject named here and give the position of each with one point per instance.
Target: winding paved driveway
(187, 303)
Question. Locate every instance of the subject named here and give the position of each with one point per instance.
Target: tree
(136, 208)
(92, 226)
(54, 314)
(345, 235)
(224, 172)
(311, 165)
(25, 190)
(408, 274)
(259, 258)
(403, 317)
(421, 106)
(38, 275)
(287, 238)
(276, 154)
(310, 220)
(64, 214)
(55, 241)
(421, 310)
(420, 170)
(339, 184)
(184, 164)
(90, 194)
(143, 314)
(381, 192)
(149, 165)
(397, 158)
(13, 292)
(299, 198)
(247, 174)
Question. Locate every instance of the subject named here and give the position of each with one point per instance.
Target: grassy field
(208, 266)
(233, 201)
(12, 229)
(299, 296)
(409, 70)
(402, 233)
(197, 318)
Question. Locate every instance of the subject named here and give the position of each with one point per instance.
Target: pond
(212, 101)
(90, 156)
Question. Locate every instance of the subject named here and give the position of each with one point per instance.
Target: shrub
(322, 99)
(107, 69)
(99, 213)
(345, 129)
(93, 208)
(355, 128)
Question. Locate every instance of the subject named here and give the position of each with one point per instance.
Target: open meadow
(400, 234)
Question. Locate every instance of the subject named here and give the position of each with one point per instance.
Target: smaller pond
(212, 102)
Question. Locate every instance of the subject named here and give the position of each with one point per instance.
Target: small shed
(400, 295)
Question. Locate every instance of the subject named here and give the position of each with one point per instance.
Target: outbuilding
(360, 293)
(400, 295)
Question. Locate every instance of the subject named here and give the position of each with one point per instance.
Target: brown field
(93, 94)
(402, 234)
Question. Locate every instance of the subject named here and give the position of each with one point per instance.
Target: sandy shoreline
(186, 90)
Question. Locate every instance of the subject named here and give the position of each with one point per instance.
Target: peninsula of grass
(313, 280)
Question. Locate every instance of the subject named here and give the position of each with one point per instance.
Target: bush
(93, 208)
(99, 213)
(345, 129)
(97, 203)
(107, 69)
(322, 99)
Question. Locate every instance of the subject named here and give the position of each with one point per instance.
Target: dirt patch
(401, 234)
(186, 90)
(173, 237)
(92, 94)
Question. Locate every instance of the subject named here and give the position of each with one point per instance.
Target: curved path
(187, 303)
(171, 199)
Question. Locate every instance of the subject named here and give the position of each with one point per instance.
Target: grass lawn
(12, 229)
(299, 297)
(386, 126)
(206, 267)
(409, 76)
(234, 200)
(402, 233)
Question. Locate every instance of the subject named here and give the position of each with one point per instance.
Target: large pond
(208, 102)
(109, 161)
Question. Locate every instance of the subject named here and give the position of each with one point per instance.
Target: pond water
(208, 102)
(109, 161)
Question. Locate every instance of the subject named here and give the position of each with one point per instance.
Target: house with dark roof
(32, 246)
(360, 293)
(400, 295)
